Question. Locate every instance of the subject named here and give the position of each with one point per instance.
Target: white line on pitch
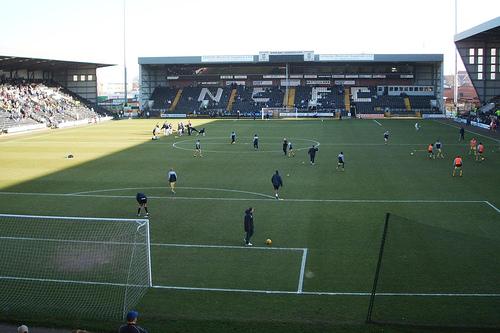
(230, 247)
(173, 197)
(377, 122)
(179, 187)
(302, 270)
(15, 278)
(73, 218)
(326, 293)
(318, 293)
(492, 206)
(475, 133)
(274, 248)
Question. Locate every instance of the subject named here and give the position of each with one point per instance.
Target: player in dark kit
(312, 153)
(172, 179)
(255, 142)
(248, 225)
(386, 137)
(340, 162)
(285, 145)
(277, 183)
(462, 134)
(142, 200)
(233, 137)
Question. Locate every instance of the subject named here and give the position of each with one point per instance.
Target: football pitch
(441, 261)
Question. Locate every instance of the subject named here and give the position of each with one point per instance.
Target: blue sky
(92, 30)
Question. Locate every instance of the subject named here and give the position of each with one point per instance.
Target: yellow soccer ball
(269, 242)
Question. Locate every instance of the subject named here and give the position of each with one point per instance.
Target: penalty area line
(321, 293)
(377, 122)
(256, 291)
(492, 206)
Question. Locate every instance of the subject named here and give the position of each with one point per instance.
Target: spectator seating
(163, 97)
(28, 103)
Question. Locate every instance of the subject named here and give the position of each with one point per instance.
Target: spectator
(22, 329)
(131, 325)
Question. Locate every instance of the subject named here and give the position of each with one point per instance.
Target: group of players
(434, 150)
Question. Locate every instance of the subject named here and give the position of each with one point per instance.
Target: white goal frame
(145, 243)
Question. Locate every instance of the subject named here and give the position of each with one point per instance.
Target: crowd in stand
(22, 101)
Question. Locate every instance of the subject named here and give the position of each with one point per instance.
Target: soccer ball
(411, 153)
(269, 242)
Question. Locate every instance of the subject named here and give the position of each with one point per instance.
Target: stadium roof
(17, 63)
(489, 30)
(281, 57)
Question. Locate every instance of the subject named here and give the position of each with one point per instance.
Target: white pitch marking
(377, 122)
(15, 278)
(174, 145)
(72, 218)
(155, 244)
(179, 187)
(383, 144)
(230, 247)
(492, 206)
(302, 270)
(250, 290)
(321, 293)
(479, 134)
(244, 199)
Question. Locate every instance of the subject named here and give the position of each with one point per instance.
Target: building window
(492, 76)
(493, 60)
(493, 52)
(479, 76)
(480, 68)
(493, 68)
(471, 51)
(479, 51)
(471, 60)
(75, 77)
(82, 77)
(89, 78)
(479, 60)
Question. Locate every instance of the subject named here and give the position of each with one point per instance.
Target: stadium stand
(330, 84)
(23, 103)
(163, 97)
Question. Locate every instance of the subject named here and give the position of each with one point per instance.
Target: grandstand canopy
(290, 57)
(487, 31)
(479, 48)
(8, 63)
(78, 77)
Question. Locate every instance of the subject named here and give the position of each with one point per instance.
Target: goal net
(74, 267)
(284, 112)
(439, 275)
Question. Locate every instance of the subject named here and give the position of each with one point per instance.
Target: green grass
(443, 237)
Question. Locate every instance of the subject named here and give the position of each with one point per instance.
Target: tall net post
(437, 274)
(377, 270)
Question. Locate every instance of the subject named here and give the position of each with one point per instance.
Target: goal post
(75, 267)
